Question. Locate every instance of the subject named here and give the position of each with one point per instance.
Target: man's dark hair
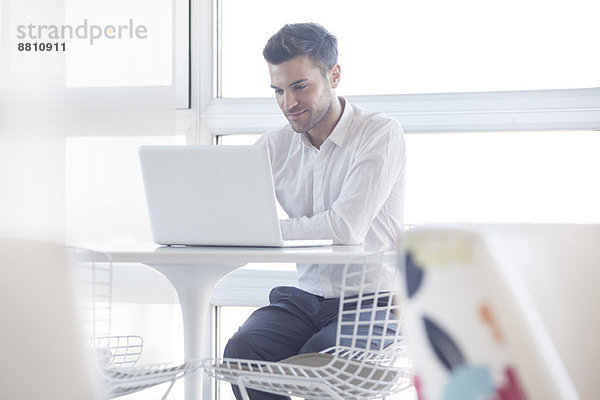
(308, 39)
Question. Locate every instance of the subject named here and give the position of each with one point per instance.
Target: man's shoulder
(376, 130)
(373, 118)
(373, 123)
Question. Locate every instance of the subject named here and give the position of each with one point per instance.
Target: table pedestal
(194, 285)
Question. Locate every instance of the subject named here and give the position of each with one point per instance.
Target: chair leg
(169, 389)
(242, 388)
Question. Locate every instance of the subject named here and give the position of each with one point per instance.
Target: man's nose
(289, 100)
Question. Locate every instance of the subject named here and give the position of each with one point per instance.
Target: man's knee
(249, 346)
(238, 347)
(319, 342)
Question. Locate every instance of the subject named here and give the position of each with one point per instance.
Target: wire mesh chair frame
(93, 276)
(369, 359)
(118, 351)
(116, 356)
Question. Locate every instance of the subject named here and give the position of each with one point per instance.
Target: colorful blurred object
(472, 331)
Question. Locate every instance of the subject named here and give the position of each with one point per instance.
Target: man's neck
(318, 135)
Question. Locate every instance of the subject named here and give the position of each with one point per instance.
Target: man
(339, 174)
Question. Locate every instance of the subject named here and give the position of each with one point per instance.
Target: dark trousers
(294, 322)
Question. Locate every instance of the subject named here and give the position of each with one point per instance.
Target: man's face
(302, 92)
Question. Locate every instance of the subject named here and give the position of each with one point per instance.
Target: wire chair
(118, 351)
(116, 356)
(369, 359)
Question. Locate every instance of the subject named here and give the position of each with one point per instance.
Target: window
(426, 46)
(538, 177)
(137, 52)
(157, 60)
(436, 66)
(105, 45)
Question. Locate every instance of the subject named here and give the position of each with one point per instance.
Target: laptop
(213, 196)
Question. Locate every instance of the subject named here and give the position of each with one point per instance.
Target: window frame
(211, 115)
(568, 109)
(181, 47)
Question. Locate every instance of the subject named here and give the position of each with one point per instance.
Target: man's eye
(278, 91)
(300, 87)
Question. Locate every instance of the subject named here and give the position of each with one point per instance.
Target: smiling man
(339, 174)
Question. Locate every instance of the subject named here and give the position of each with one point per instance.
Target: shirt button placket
(318, 184)
(319, 207)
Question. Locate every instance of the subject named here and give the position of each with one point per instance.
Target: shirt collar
(340, 131)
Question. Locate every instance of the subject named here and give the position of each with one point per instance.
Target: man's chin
(298, 128)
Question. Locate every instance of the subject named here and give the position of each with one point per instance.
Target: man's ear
(334, 76)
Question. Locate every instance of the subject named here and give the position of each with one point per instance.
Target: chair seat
(308, 374)
(358, 374)
(122, 381)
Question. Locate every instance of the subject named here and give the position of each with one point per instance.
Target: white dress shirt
(350, 190)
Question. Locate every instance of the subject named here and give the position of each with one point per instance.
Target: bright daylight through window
(426, 46)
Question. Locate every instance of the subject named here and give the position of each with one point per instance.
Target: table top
(153, 253)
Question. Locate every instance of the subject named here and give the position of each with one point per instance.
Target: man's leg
(326, 336)
(321, 340)
(276, 331)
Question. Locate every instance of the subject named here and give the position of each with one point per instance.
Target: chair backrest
(369, 322)
(473, 329)
(43, 352)
(370, 305)
(93, 279)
